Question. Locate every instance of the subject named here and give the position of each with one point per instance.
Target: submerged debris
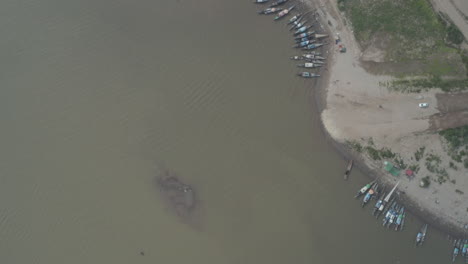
(179, 196)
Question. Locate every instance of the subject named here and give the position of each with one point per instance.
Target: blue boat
(421, 235)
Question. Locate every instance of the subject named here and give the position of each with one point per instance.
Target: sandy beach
(357, 106)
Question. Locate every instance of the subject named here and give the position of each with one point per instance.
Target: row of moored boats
(394, 216)
(304, 37)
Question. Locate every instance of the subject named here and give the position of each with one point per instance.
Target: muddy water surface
(97, 98)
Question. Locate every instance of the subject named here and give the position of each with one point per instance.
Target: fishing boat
(308, 74)
(304, 39)
(364, 189)
(317, 59)
(386, 200)
(421, 235)
(294, 18)
(350, 163)
(403, 221)
(296, 58)
(456, 249)
(313, 46)
(393, 216)
(260, 1)
(315, 55)
(284, 12)
(465, 250)
(400, 218)
(297, 25)
(319, 36)
(301, 30)
(309, 65)
(279, 2)
(302, 44)
(305, 34)
(369, 194)
(269, 11)
(378, 204)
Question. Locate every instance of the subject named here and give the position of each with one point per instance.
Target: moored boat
(302, 44)
(279, 2)
(399, 219)
(301, 30)
(260, 1)
(284, 12)
(296, 58)
(364, 189)
(378, 204)
(456, 249)
(369, 194)
(421, 235)
(294, 18)
(269, 11)
(308, 74)
(297, 25)
(309, 65)
(313, 46)
(305, 34)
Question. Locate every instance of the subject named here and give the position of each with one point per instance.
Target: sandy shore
(355, 106)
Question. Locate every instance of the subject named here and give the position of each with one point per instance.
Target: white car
(423, 105)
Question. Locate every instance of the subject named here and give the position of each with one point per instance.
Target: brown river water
(98, 97)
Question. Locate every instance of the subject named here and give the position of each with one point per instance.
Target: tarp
(392, 169)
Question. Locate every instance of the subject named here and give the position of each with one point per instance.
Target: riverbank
(356, 107)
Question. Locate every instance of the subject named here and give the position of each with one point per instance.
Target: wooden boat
(372, 191)
(319, 36)
(269, 11)
(386, 200)
(378, 204)
(305, 34)
(313, 53)
(294, 18)
(302, 30)
(313, 46)
(456, 249)
(317, 57)
(316, 61)
(260, 1)
(284, 12)
(421, 235)
(303, 44)
(296, 58)
(309, 65)
(364, 189)
(465, 250)
(279, 2)
(297, 24)
(399, 219)
(304, 39)
(308, 74)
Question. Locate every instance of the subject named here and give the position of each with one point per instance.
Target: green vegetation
(414, 168)
(354, 145)
(420, 153)
(418, 85)
(373, 153)
(425, 182)
(411, 31)
(456, 137)
(457, 140)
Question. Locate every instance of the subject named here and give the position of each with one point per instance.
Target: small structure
(409, 173)
(391, 169)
